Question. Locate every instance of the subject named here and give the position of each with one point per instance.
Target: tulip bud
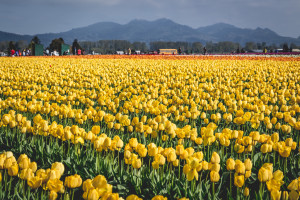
(214, 176)
(34, 182)
(136, 163)
(133, 197)
(246, 191)
(215, 158)
(53, 195)
(239, 180)
(275, 194)
(13, 170)
(248, 164)
(230, 164)
(264, 174)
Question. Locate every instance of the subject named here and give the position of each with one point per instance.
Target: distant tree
(273, 46)
(210, 47)
(227, 47)
(263, 45)
(36, 40)
(250, 46)
(4, 45)
(75, 46)
(11, 45)
(21, 44)
(293, 46)
(56, 44)
(285, 47)
(139, 46)
(197, 47)
(259, 45)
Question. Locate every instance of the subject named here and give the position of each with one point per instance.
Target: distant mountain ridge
(159, 30)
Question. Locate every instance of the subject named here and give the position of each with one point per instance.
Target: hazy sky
(44, 16)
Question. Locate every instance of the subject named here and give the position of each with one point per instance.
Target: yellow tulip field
(150, 127)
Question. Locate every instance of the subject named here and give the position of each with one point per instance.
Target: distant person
(243, 50)
(12, 52)
(129, 51)
(265, 50)
(79, 52)
(238, 50)
(179, 51)
(204, 50)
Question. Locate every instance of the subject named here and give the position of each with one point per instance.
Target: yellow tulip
(9, 162)
(26, 174)
(13, 170)
(239, 180)
(34, 182)
(59, 166)
(214, 176)
(275, 194)
(2, 160)
(215, 158)
(99, 181)
(53, 195)
(240, 168)
(264, 174)
(93, 195)
(73, 181)
(159, 197)
(192, 174)
(137, 163)
(246, 192)
(56, 185)
(230, 164)
(294, 195)
(133, 197)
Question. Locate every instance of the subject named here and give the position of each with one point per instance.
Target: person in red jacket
(79, 52)
(12, 52)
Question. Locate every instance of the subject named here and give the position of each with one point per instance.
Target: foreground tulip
(73, 181)
(264, 175)
(133, 197)
(275, 195)
(214, 176)
(56, 185)
(53, 195)
(230, 164)
(246, 191)
(239, 180)
(99, 181)
(34, 182)
(159, 197)
(215, 158)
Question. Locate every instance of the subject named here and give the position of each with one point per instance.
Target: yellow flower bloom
(239, 180)
(34, 182)
(214, 176)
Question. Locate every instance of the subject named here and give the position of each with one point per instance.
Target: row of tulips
(49, 180)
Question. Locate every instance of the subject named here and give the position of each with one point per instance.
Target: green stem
(230, 183)
(213, 188)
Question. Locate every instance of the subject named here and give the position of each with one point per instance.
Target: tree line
(112, 46)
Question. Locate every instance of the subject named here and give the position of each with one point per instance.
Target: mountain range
(159, 30)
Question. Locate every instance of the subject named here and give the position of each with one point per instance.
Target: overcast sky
(45, 16)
